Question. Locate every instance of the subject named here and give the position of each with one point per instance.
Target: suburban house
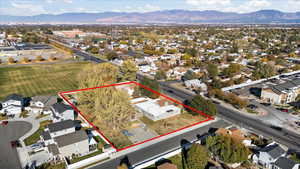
(268, 155)
(156, 109)
(235, 134)
(195, 84)
(42, 104)
(285, 163)
(62, 140)
(76, 143)
(62, 112)
(61, 128)
(12, 104)
(281, 93)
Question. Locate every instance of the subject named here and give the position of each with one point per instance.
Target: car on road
(252, 106)
(15, 143)
(266, 104)
(283, 110)
(4, 123)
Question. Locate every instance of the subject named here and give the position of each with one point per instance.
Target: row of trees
(201, 104)
(229, 97)
(39, 58)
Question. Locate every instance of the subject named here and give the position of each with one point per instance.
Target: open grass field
(39, 79)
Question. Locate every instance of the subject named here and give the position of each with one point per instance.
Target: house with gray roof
(76, 143)
(285, 163)
(282, 93)
(12, 104)
(62, 140)
(42, 104)
(62, 112)
(267, 156)
(60, 128)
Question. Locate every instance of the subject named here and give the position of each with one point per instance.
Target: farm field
(39, 79)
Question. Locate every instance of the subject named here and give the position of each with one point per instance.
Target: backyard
(43, 79)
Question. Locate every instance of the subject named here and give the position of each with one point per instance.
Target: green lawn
(39, 79)
(36, 136)
(75, 160)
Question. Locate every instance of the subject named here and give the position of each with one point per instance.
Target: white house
(62, 112)
(156, 109)
(12, 104)
(42, 104)
(268, 155)
(195, 83)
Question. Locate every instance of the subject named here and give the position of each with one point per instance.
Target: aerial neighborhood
(166, 89)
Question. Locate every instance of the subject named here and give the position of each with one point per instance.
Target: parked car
(252, 106)
(15, 143)
(283, 110)
(4, 123)
(266, 104)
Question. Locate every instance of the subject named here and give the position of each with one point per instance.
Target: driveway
(13, 131)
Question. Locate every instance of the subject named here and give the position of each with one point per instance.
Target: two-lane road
(283, 136)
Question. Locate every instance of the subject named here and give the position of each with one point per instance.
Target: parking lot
(8, 155)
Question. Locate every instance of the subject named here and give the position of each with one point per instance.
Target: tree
(11, 60)
(197, 157)
(160, 75)
(94, 50)
(233, 69)
(52, 58)
(201, 104)
(189, 75)
(106, 106)
(0, 61)
(212, 70)
(39, 58)
(122, 166)
(111, 55)
(263, 71)
(227, 149)
(128, 71)
(152, 84)
(25, 60)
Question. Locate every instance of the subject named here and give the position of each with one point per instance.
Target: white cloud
(54, 1)
(259, 3)
(24, 8)
(229, 6)
(144, 8)
(208, 2)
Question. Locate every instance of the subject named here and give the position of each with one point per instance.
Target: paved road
(160, 147)
(288, 138)
(8, 155)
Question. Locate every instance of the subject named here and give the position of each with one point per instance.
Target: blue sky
(34, 7)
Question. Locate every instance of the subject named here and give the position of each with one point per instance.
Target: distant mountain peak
(163, 16)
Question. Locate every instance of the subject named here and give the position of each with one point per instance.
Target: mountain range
(166, 16)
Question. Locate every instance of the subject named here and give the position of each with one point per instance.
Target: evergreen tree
(196, 157)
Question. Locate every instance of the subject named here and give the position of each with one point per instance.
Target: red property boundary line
(62, 95)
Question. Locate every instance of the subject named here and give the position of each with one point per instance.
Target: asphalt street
(13, 131)
(283, 136)
(160, 147)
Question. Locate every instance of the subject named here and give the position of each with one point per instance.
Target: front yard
(36, 136)
(172, 123)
